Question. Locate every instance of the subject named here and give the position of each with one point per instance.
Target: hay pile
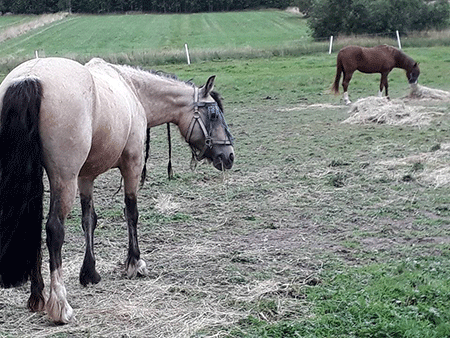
(435, 162)
(383, 111)
(425, 93)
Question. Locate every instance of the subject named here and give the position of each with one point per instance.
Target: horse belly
(113, 116)
(106, 148)
(373, 60)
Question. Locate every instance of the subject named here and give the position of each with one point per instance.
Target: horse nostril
(231, 157)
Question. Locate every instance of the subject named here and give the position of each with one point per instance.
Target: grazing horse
(381, 59)
(76, 122)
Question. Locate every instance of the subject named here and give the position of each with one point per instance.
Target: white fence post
(398, 40)
(187, 54)
(331, 44)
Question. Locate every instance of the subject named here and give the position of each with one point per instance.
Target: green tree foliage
(160, 6)
(334, 17)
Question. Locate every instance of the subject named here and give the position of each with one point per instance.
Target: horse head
(413, 73)
(208, 134)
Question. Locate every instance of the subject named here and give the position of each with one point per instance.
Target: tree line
(325, 17)
(121, 6)
(335, 17)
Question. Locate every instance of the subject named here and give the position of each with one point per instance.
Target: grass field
(321, 229)
(88, 36)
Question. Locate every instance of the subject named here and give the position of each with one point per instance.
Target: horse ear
(209, 86)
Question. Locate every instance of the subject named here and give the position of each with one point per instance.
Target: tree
(331, 17)
(327, 17)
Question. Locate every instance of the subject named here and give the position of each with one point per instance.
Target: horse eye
(213, 114)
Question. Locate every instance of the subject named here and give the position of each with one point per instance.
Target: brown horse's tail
(21, 186)
(337, 79)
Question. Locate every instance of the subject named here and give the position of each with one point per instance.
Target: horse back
(84, 122)
(378, 59)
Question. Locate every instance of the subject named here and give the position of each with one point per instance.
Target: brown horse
(77, 122)
(381, 59)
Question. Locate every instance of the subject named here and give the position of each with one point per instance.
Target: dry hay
(198, 283)
(384, 111)
(436, 171)
(165, 204)
(309, 106)
(425, 93)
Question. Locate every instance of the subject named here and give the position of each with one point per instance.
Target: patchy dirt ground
(307, 193)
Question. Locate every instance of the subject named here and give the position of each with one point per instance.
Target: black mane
(216, 96)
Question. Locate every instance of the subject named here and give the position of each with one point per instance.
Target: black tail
(21, 186)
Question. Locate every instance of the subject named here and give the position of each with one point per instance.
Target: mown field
(321, 229)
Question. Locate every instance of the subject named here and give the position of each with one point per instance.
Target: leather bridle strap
(197, 119)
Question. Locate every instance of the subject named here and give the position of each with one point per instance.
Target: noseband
(213, 108)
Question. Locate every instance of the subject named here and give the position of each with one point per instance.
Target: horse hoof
(87, 277)
(59, 310)
(36, 303)
(137, 269)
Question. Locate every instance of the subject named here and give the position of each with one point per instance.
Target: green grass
(279, 81)
(406, 298)
(6, 21)
(136, 34)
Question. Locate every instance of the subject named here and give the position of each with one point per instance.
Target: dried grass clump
(384, 111)
(425, 93)
(435, 170)
(165, 204)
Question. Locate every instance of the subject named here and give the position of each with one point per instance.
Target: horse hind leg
(345, 83)
(383, 83)
(88, 274)
(134, 265)
(130, 168)
(58, 309)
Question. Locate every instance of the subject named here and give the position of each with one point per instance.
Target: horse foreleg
(88, 274)
(58, 309)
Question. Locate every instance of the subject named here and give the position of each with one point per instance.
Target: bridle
(213, 108)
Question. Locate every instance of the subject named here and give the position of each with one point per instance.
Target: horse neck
(163, 99)
(403, 61)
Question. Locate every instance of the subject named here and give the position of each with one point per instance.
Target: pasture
(321, 229)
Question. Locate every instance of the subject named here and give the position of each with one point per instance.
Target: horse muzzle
(223, 159)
